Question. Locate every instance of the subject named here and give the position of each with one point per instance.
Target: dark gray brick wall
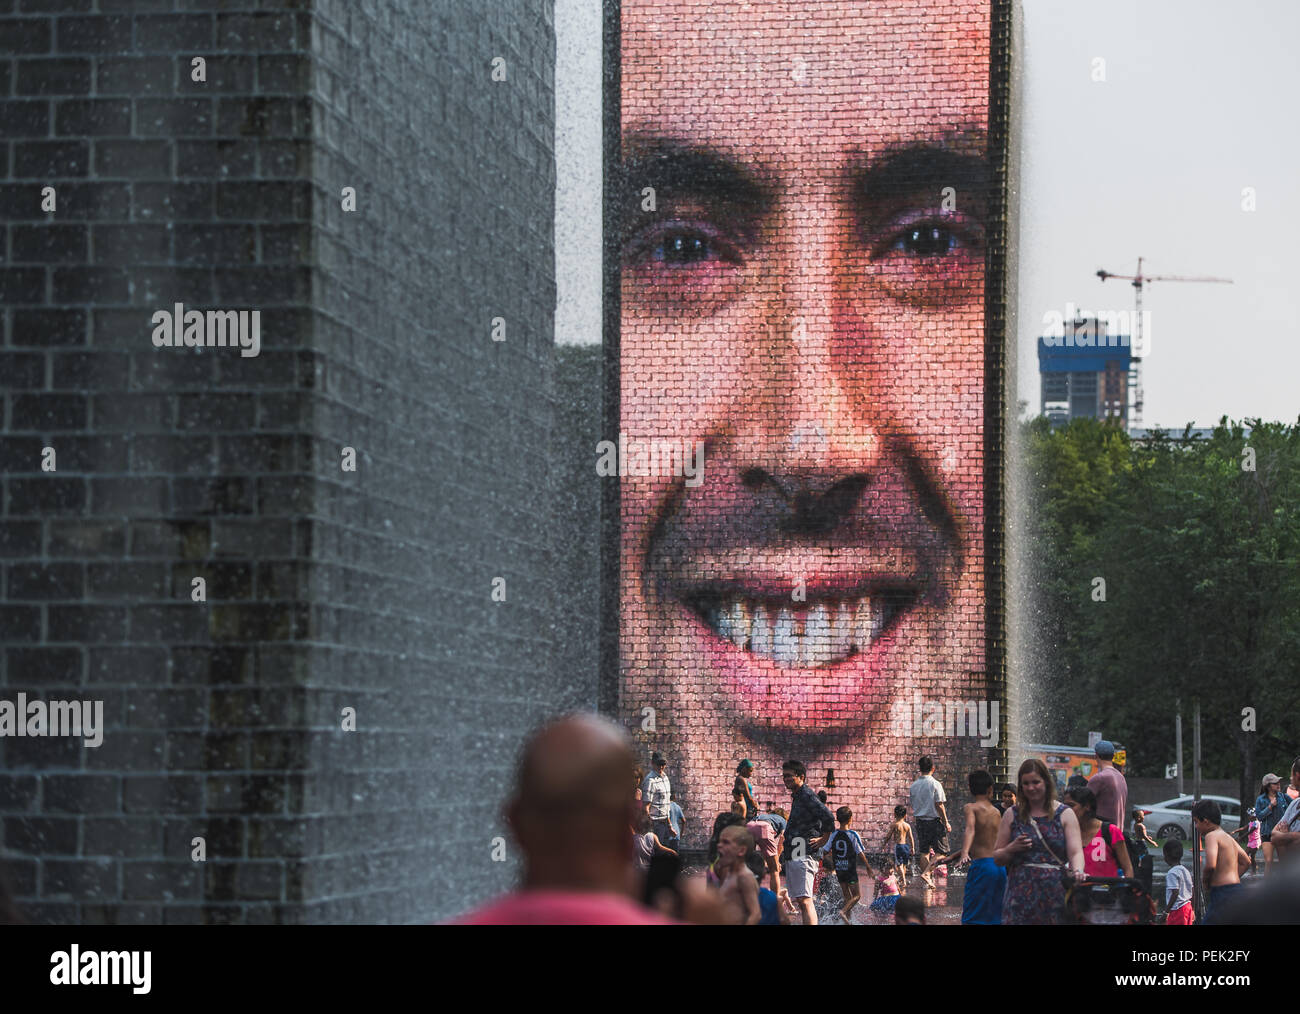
(452, 430)
(577, 529)
(326, 589)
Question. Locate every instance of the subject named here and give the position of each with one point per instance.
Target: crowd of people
(1029, 858)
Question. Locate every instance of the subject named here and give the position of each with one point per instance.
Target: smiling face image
(803, 191)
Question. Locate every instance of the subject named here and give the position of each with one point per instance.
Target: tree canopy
(1196, 542)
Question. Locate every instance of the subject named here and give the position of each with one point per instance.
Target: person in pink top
(571, 814)
(1253, 838)
(1105, 852)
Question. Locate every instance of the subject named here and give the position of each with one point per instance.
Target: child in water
(900, 840)
(886, 894)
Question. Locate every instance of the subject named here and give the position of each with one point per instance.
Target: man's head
(793, 774)
(574, 803)
(844, 815)
(925, 765)
(980, 784)
(1105, 751)
(806, 189)
(734, 844)
(909, 911)
(658, 763)
(1206, 815)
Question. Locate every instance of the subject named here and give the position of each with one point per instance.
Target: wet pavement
(942, 903)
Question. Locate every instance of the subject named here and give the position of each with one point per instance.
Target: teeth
(828, 633)
(842, 635)
(739, 624)
(864, 627)
(726, 628)
(785, 643)
(817, 647)
(760, 635)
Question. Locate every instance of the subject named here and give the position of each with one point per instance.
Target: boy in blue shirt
(844, 846)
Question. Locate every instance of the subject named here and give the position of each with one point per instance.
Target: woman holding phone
(1039, 844)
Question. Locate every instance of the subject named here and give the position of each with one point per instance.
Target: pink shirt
(563, 908)
(1100, 860)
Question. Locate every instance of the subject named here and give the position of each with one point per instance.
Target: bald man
(571, 814)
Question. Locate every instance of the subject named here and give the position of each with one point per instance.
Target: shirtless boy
(986, 880)
(737, 887)
(1224, 863)
(900, 841)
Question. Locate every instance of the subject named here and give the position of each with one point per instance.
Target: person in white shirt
(656, 797)
(1178, 887)
(932, 825)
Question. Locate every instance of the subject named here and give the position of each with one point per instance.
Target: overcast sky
(1198, 103)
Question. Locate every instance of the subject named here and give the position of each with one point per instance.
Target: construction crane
(1139, 280)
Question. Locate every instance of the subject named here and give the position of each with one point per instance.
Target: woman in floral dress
(1038, 839)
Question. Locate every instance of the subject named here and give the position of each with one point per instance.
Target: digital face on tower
(804, 194)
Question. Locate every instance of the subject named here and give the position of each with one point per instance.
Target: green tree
(1199, 556)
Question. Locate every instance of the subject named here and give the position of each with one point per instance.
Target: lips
(797, 637)
(801, 599)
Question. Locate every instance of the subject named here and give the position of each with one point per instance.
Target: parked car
(1173, 817)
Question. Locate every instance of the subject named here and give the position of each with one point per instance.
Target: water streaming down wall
(326, 589)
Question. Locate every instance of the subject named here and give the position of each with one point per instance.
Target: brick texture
(326, 589)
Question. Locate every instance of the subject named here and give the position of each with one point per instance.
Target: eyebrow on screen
(683, 171)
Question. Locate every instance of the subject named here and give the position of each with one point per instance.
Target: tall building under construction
(1085, 371)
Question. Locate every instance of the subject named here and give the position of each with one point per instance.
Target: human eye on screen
(929, 257)
(678, 244)
(681, 266)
